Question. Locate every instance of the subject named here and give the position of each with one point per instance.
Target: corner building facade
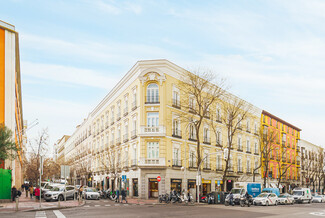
(134, 135)
(11, 114)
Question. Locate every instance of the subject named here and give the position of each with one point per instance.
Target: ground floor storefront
(144, 182)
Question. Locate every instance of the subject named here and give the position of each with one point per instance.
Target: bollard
(17, 201)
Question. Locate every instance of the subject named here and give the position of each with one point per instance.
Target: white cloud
(70, 75)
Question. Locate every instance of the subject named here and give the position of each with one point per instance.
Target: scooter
(187, 197)
(164, 198)
(229, 201)
(244, 201)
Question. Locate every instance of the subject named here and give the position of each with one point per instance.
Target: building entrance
(135, 187)
(176, 184)
(153, 188)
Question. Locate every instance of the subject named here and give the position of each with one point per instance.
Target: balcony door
(152, 119)
(153, 150)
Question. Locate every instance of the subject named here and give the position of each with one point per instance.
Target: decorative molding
(148, 75)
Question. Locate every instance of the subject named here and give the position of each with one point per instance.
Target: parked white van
(302, 195)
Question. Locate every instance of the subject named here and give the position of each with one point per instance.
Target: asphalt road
(104, 208)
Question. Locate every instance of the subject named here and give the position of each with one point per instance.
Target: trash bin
(220, 198)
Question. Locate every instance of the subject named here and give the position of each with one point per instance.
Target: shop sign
(206, 181)
(176, 180)
(191, 181)
(229, 180)
(153, 180)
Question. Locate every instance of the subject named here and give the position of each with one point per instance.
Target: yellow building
(11, 114)
(284, 156)
(135, 132)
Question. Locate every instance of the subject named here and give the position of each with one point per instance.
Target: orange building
(11, 113)
(284, 157)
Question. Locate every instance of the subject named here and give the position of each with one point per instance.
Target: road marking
(40, 214)
(105, 201)
(58, 214)
(318, 213)
(97, 205)
(107, 205)
(86, 206)
(116, 204)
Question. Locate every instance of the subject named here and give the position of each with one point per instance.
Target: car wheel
(61, 198)
(266, 203)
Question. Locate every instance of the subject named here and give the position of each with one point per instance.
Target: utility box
(5, 184)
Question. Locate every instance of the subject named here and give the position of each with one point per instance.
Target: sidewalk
(27, 204)
(142, 201)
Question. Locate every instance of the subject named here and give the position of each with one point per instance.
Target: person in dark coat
(123, 193)
(13, 193)
(26, 189)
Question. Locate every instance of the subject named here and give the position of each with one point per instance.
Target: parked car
(90, 193)
(318, 199)
(285, 199)
(272, 190)
(60, 192)
(266, 199)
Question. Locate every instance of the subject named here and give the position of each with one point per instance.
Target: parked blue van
(272, 190)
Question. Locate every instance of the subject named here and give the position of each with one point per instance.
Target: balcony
(118, 141)
(126, 111)
(207, 115)
(192, 138)
(134, 105)
(192, 164)
(152, 131)
(134, 162)
(152, 100)
(133, 134)
(219, 168)
(207, 140)
(219, 119)
(176, 103)
(206, 166)
(126, 137)
(177, 163)
(152, 162)
(177, 133)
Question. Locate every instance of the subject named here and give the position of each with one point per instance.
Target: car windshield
(297, 192)
(282, 196)
(235, 191)
(263, 195)
(91, 190)
(317, 196)
(57, 189)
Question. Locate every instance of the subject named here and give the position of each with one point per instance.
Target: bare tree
(199, 91)
(283, 163)
(235, 110)
(267, 138)
(111, 162)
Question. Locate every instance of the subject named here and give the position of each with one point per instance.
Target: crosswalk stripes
(97, 205)
(40, 214)
(107, 205)
(58, 214)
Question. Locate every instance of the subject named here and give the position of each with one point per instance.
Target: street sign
(218, 182)
(158, 178)
(124, 178)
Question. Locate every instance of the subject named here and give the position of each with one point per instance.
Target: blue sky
(73, 52)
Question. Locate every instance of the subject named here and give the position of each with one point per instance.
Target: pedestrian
(117, 195)
(123, 193)
(31, 191)
(37, 193)
(13, 193)
(81, 189)
(26, 189)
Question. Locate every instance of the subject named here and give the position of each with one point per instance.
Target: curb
(53, 208)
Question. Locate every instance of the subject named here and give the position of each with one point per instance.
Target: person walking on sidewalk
(31, 191)
(26, 189)
(13, 193)
(123, 193)
(37, 193)
(117, 195)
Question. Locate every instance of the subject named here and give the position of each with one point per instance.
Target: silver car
(60, 192)
(90, 193)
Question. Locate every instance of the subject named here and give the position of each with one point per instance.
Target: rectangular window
(248, 145)
(219, 163)
(248, 166)
(239, 165)
(153, 150)
(153, 119)
(239, 143)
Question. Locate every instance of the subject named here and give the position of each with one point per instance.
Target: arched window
(152, 93)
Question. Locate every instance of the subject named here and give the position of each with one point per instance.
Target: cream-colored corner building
(134, 132)
(312, 166)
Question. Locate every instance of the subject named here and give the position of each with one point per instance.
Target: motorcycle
(211, 199)
(246, 201)
(175, 197)
(187, 197)
(164, 198)
(229, 202)
(110, 195)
